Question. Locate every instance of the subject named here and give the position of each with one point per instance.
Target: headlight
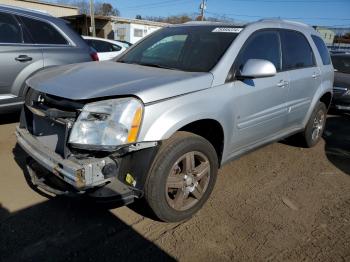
(106, 124)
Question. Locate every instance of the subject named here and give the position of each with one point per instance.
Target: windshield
(186, 48)
(341, 63)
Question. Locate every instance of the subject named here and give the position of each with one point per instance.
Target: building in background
(133, 30)
(82, 23)
(113, 27)
(57, 10)
(327, 34)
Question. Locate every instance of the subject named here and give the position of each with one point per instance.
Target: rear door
(260, 103)
(19, 57)
(57, 48)
(299, 61)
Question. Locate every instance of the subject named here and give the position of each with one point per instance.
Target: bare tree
(100, 8)
(106, 9)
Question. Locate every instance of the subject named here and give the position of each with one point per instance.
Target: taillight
(94, 56)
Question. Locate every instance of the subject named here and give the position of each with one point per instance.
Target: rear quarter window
(322, 49)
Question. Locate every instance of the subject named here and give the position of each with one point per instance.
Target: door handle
(282, 84)
(23, 58)
(315, 75)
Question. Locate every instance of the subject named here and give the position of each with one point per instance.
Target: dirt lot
(279, 203)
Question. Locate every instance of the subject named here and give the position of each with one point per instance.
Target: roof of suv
(279, 23)
(59, 23)
(26, 11)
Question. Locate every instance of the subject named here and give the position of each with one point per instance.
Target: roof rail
(202, 22)
(278, 19)
(38, 11)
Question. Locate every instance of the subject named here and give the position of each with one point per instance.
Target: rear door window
(297, 52)
(10, 31)
(261, 45)
(42, 32)
(322, 49)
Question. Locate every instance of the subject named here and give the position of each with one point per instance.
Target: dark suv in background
(29, 42)
(341, 90)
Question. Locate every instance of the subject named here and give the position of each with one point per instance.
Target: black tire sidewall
(170, 152)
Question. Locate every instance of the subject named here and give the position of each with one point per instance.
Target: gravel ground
(279, 203)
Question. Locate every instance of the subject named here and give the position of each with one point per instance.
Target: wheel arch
(18, 86)
(323, 95)
(209, 129)
(326, 98)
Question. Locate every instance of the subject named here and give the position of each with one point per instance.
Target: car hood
(105, 79)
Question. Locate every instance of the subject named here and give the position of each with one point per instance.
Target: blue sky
(320, 12)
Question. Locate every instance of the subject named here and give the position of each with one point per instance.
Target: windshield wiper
(149, 64)
(157, 65)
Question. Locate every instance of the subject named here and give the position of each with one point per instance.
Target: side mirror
(256, 68)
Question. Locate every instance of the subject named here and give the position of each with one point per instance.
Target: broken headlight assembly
(107, 124)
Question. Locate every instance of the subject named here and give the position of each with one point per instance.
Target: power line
(291, 1)
(156, 4)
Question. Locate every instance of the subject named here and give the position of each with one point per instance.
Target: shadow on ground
(68, 229)
(65, 230)
(337, 138)
(9, 118)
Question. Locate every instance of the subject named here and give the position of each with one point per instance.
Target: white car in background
(106, 49)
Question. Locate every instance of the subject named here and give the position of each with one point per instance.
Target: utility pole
(202, 7)
(92, 17)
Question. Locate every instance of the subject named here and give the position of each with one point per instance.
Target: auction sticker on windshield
(227, 30)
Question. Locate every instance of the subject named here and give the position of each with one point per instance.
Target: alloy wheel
(318, 125)
(187, 180)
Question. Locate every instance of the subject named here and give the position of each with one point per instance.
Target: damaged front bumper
(101, 178)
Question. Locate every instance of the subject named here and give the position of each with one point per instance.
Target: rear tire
(315, 126)
(182, 177)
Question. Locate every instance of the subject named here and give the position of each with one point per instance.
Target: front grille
(50, 118)
(50, 101)
(61, 103)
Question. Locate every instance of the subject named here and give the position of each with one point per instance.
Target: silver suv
(160, 120)
(29, 42)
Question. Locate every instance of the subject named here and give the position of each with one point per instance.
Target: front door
(259, 104)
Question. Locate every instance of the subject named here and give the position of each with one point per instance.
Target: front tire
(315, 126)
(182, 177)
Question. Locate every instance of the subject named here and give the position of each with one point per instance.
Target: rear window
(322, 49)
(10, 32)
(297, 52)
(42, 32)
